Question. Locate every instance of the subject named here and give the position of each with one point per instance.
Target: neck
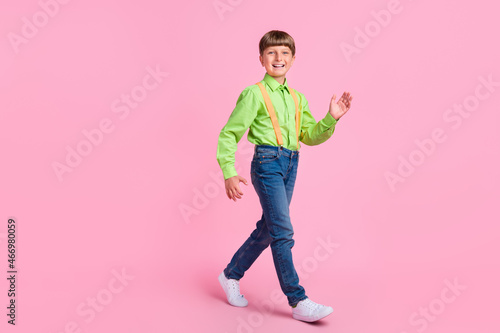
(280, 79)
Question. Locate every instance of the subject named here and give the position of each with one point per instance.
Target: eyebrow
(287, 49)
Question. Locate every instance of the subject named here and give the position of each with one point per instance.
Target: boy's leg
(273, 176)
(260, 238)
(246, 255)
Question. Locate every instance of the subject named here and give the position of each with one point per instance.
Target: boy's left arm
(314, 133)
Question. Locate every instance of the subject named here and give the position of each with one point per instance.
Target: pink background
(121, 208)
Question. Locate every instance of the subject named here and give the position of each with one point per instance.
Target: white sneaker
(232, 289)
(307, 310)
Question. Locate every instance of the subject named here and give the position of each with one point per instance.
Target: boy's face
(277, 60)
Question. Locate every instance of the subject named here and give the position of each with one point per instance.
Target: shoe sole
(309, 319)
(222, 284)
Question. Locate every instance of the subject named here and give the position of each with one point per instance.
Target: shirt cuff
(329, 120)
(229, 171)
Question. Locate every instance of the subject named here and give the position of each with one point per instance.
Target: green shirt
(251, 112)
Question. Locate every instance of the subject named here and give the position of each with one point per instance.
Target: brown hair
(276, 38)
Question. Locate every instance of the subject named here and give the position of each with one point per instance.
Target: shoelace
(310, 305)
(235, 286)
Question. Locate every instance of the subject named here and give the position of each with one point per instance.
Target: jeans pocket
(265, 157)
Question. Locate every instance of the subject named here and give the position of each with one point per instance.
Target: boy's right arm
(240, 120)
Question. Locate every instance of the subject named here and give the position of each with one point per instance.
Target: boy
(278, 117)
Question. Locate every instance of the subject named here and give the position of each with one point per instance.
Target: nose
(278, 56)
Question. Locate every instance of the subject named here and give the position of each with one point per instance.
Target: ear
(293, 60)
(261, 59)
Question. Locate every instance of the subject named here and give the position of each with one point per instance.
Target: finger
(239, 192)
(334, 97)
(342, 105)
(234, 193)
(243, 180)
(345, 96)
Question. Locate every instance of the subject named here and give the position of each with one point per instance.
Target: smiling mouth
(279, 66)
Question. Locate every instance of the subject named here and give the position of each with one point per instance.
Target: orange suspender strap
(297, 115)
(274, 119)
(272, 114)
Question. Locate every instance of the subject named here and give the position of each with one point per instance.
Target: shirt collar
(271, 82)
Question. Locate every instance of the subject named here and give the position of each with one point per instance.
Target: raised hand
(338, 109)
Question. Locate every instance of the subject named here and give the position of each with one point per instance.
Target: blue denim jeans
(273, 172)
